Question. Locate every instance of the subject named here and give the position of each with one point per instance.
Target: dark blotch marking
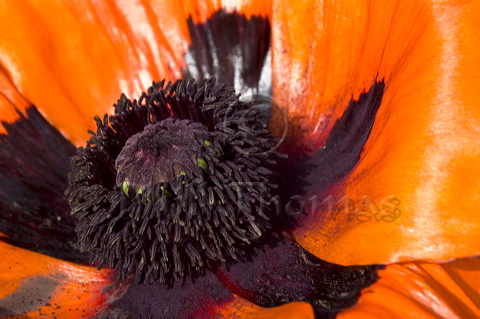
(347, 139)
(34, 213)
(280, 271)
(339, 155)
(228, 43)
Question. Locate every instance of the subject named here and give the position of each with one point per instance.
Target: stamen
(174, 182)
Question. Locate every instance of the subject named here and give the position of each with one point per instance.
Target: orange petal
(319, 63)
(11, 101)
(74, 59)
(202, 10)
(422, 290)
(242, 309)
(34, 285)
(415, 188)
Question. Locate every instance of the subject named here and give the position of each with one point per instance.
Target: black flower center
(174, 182)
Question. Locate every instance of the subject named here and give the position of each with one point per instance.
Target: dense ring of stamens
(188, 208)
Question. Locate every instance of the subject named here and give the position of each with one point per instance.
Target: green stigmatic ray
(125, 187)
(201, 163)
(207, 143)
(174, 183)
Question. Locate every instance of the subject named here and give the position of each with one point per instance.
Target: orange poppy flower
(376, 97)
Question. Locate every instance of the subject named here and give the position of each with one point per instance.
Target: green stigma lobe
(125, 187)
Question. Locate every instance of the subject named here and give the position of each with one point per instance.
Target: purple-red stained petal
(198, 298)
(240, 308)
(204, 298)
(280, 271)
(183, 300)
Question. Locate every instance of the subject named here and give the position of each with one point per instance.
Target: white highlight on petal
(444, 108)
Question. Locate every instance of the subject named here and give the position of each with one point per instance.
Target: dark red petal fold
(240, 308)
(280, 271)
(184, 300)
(202, 297)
